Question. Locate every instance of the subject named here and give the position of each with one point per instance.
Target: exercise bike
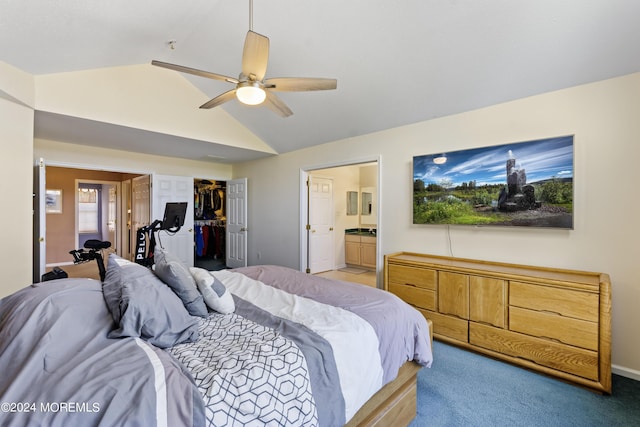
(172, 222)
(93, 251)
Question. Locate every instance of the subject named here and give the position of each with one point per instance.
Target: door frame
(39, 266)
(304, 210)
(40, 243)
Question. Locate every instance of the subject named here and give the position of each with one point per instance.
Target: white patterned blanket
(248, 374)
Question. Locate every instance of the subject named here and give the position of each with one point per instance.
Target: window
(88, 210)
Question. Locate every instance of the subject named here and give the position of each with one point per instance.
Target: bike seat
(96, 244)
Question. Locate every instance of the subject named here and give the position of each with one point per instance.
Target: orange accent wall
(60, 237)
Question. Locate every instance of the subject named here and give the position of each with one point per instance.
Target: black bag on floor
(56, 273)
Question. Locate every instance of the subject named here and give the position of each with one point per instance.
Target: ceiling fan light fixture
(250, 93)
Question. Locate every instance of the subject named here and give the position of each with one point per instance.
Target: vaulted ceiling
(396, 62)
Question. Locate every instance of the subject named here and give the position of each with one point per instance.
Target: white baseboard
(626, 372)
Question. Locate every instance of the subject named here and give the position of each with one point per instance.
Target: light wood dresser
(554, 321)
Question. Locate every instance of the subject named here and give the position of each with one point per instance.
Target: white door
(168, 189)
(125, 220)
(39, 221)
(140, 209)
(236, 235)
(112, 215)
(321, 218)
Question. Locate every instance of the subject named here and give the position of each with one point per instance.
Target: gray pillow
(175, 274)
(142, 306)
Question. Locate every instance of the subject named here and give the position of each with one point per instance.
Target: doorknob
(331, 229)
(243, 229)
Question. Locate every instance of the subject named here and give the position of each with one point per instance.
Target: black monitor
(174, 214)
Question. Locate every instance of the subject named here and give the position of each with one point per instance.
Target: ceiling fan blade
(220, 99)
(194, 71)
(255, 55)
(298, 84)
(275, 104)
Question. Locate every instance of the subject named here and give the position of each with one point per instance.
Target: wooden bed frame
(395, 404)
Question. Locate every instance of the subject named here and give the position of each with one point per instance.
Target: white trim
(625, 372)
(379, 229)
(304, 175)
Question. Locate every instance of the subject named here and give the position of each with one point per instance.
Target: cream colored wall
(16, 85)
(16, 187)
(603, 116)
(72, 155)
(142, 97)
(16, 177)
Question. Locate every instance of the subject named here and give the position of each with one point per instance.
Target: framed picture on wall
(53, 201)
(526, 184)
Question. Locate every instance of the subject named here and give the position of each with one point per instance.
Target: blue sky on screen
(541, 159)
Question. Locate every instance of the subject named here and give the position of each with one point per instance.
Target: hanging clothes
(199, 241)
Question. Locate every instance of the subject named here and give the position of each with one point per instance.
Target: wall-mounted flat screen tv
(527, 184)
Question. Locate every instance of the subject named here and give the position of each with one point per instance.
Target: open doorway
(91, 205)
(345, 224)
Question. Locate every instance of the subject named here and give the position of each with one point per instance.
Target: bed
(273, 347)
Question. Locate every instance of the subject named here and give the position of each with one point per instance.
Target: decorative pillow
(142, 306)
(215, 293)
(175, 274)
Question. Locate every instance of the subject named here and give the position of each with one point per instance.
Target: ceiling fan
(251, 86)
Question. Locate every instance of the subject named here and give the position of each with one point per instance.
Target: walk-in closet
(209, 223)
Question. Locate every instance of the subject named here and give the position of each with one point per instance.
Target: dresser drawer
(580, 333)
(418, 297)
(420, 277)
(448, 326)
(565, 358)
(551, 320)
(566, 302)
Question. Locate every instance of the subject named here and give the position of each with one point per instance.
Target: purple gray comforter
(402, 331)
(58, 368)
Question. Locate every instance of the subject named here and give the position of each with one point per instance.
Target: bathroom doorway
(346, 179)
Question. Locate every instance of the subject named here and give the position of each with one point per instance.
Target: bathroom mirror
(352, 203)
(367, 204)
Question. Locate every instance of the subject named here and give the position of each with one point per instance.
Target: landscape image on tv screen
(527, 184)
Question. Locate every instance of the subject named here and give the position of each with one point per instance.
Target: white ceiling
(396, 62)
